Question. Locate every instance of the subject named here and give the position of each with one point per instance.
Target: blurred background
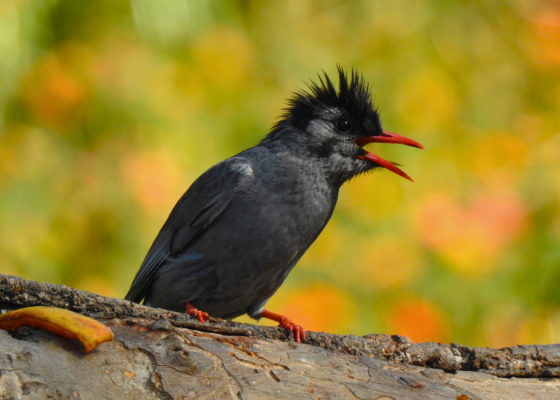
(109, 110)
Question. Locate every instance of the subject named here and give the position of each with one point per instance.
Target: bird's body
(241, 227)
(279, 216)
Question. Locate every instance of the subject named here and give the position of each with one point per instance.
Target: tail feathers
(187, 278)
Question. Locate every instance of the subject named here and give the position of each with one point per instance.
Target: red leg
(286, 323)
(192, 310)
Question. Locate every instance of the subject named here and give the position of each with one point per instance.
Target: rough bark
(160, 354)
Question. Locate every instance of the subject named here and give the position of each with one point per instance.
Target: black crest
(353, 96)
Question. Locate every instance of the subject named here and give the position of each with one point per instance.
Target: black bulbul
(237, 232)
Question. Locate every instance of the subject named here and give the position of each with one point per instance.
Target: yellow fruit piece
(62, 322)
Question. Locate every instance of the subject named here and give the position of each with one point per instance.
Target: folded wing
(207, 198)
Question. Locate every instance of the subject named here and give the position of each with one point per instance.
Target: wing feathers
(207, 198)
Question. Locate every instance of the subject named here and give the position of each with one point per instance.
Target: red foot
(286, 323)
(192, 310)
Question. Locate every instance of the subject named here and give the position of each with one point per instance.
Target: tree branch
(517, 361)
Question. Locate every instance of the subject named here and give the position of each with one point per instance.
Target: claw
(194, 312)
(290, 325)
(286, 323)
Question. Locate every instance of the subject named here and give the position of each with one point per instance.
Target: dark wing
(201, 204)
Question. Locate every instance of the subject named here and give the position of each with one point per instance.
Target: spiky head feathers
(353, 99)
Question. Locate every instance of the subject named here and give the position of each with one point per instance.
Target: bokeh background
(111, 108)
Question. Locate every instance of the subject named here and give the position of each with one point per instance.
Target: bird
(237, 232)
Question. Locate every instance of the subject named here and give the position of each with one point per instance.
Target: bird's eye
(343, 124)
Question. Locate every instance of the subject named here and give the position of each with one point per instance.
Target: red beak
(386, 137)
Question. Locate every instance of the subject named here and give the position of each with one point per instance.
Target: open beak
(386, 137)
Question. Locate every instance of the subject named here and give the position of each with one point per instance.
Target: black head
(331, 126)
(354, 108)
